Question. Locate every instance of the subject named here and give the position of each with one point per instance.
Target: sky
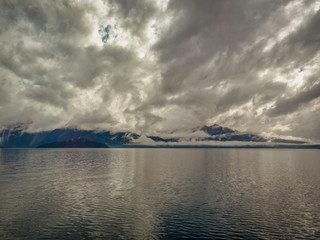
(160, 66)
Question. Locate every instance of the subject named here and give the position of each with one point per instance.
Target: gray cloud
(219, 46)
(57, 17)
(205, 29)
(135, 14)
(50, 67)
(288, 105)
(194, 62)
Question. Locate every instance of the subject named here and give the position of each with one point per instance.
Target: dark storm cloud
(308, 35)
(205, 28)
(50, 93)
(288, 105)
(59, 17)
(298, 48)
(215, 52)
(258, 92)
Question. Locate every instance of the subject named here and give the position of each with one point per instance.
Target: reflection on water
(159, 193)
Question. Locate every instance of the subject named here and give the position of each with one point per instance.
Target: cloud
(53, 64)
(289, 105)
(233, 60)
(135, 15)
(161, 66)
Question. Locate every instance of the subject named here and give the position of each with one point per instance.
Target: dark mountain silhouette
(159, 139)
(215, 129)
(75, 143)
(16, 137)
(219, 133)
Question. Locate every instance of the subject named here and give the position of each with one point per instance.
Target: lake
(159, 193)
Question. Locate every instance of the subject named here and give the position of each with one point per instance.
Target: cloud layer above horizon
(159, 66)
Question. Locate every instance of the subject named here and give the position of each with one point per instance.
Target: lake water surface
(159, 194)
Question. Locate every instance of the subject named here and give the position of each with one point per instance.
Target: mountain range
(205, 136)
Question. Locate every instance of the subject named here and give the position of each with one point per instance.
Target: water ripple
(159, 194)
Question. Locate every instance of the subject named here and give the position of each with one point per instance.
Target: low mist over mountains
(215, 135)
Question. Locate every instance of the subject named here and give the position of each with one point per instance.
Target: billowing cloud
(288, 105)
(160, 66)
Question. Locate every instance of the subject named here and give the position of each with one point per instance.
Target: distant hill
(17, 137)
(75, 143)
